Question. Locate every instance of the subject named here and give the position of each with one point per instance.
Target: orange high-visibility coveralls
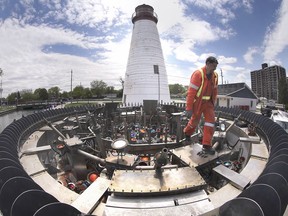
(201, 98)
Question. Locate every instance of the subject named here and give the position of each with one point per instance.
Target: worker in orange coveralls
(201, 98)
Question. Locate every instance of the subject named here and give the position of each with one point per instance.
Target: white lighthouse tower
(145, 77)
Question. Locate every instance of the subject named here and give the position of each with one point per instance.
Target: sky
(48, 43)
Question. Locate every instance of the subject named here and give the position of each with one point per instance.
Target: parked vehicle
(281, 118)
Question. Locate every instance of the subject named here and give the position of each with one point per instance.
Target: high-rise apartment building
(264, 82)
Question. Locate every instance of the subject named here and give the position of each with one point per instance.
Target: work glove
(188, 113)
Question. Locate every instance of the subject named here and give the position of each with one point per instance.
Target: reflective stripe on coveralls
(193, 86)
(206, 98)
(206, 123)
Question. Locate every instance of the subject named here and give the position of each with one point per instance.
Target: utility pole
(71, 83)
(1, 89)
(221, 75)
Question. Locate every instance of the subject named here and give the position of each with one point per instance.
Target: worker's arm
(215, 89)
(194, 85)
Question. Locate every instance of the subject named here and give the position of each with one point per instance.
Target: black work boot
(208, 150)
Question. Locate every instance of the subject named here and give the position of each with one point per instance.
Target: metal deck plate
(191, 203)
(197, 208)
(189, 155)
(31, 164)
(155, 201)
(236, 179)
(51, 186)
(126, 160)
(260, 150)
(32, 141)
(37, 149)
(133, 182)
(228, 192)
(87, 201)
(253, 168)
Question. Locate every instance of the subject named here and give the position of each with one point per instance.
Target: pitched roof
(236, 90)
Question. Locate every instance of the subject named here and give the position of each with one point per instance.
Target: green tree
(78, 92)
(109, 90)
(27, 95)
(119, 93)
(11, 98)
(98, 87)
(54, 92)
(65, 94)
(41, 94)
(177, 89)
(87, 93)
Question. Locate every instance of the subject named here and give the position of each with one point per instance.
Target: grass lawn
(6, 108)
(83, 103)
(79, 104)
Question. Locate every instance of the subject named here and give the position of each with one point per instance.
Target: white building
(237, 95)
(146, 77)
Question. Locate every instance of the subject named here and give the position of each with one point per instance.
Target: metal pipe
(78, 122)
(166, 130)
(55, 129)
(92, 116)
(152, 167)
(215, 145)
(231, 125)
(92, 157)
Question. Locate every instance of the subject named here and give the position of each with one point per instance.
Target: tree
(78, 92)
(282, 91)
(41, 94)
(177, 89)
(98, 87)
(11, 98)
(54, 92)
(27, 95)
(109, 90)
(65, 94)
(119, 93)
(87, 93)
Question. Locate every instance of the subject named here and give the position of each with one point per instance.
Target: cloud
(181, 76)
(31, 58)
(183, 52)
(23, 60)
(276, 39)
(188, 35)
(93, 14)
(248, 56)
(232, 74)
(224, 10)
(226, 60)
